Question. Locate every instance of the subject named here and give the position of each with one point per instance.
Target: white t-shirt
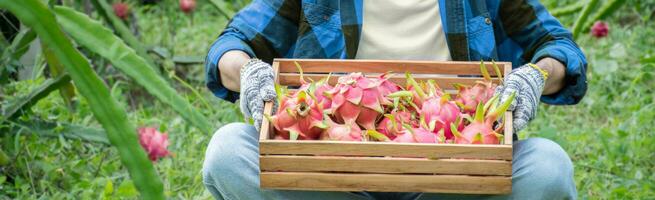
(403, 30)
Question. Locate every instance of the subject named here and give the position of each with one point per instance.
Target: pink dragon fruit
(298, 117)
(416, 135)
(121, 10)
(341, 132)
(358, 99)
(439, 113)
(387, 87)
(391, 124)
(599, 29)
(153, 142)
(468, 97)
(480, 130)
(187, 6)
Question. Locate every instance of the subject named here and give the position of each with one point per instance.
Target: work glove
(257, 86)
(528, 82)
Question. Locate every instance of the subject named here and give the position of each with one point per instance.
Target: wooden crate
(384, 166)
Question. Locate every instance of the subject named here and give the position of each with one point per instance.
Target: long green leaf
(221, 6)
(113, 119)
(583, 18)
(12, 52)
(67, 91)
(25, 102)
(21, 43)
(71, 131)
(95, 37)
(106, 11)
(567, 10)
(606, 10)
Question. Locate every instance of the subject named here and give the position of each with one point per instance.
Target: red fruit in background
(153, 142)
(187, 5)
(121, 10)
(599, 29)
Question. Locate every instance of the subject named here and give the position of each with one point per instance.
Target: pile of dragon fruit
(359, 108)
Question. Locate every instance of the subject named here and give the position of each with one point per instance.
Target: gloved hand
(528, 82)
(257, 86)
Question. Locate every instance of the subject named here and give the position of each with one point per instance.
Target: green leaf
(222, 7)
(189, 59)
(67, 91)
(107, 12)
(606, 10)
(71, 131)
(120, 132)
(95, 37)
(4, 159)
(25, 102)
(20, 44)
(567, 10)
(109, 189)
(11, 53)
(583, 18)
(126, 189)
(377, 135)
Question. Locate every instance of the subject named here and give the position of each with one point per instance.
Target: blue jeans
(540, 170)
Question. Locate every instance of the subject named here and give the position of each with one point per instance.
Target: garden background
(54, 140)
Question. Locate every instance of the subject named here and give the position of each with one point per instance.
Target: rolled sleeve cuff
(575, 79)
(213, 80)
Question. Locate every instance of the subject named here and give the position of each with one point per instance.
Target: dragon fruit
(153, 142)
(317, 90)
(387, 87)
(358, 99)
(341, 132)
(468, 97)
(298, 117)
(391, 124)
(187, 6)
(416, 135)
(439, 113)
(121, 10)
(599, 29)
(481, 130)
(358, 108)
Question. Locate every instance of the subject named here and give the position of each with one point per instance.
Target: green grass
(609, 135)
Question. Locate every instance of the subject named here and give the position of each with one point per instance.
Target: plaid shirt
(516, 31)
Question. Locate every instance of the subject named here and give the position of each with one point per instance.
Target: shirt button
(487, 20)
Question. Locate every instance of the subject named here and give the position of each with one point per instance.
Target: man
(518, 31)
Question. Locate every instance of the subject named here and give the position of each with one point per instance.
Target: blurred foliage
(609, 135)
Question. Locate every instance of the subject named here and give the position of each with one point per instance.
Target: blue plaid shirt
(516, 31)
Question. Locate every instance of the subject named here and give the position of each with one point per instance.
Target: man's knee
(225, 149)
(547, 167)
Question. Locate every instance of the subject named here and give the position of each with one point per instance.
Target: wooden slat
(311, 147)
(445, 82)
(381, 66)
(384, 165)
(508, 128)
(387, 182)
(267, 128)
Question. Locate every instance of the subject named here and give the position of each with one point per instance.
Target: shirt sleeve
(541, 35)
(226, 42)
(265, 29)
